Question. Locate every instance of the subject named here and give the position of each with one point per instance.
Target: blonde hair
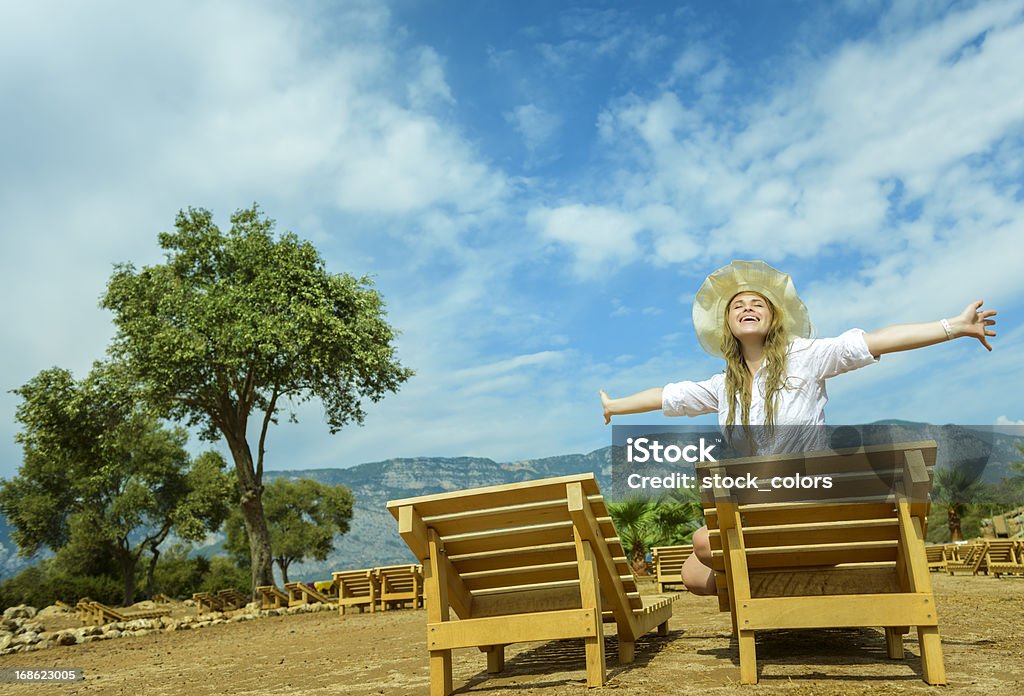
(737, 375)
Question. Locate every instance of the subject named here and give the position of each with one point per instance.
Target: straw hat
(745, 276)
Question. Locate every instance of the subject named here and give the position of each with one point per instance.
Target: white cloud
(536, 126)
(599, 237)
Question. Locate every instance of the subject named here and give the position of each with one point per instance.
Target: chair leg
(748, 658)
(594, 649)
(440, 672)
(495, 658)
(932, 663)
(627, 649)
(894, 643)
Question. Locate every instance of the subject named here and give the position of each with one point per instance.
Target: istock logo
(642, 450)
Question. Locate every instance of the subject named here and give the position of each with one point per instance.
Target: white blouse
(800, 403)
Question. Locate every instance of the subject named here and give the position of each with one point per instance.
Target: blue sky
(538, 188)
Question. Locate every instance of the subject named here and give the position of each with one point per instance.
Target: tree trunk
(259, 538)
(152, 570)
(283, 565)
(251, 489)
(128, 576)
(955, 532)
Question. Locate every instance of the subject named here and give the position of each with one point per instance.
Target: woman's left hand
(972, 322)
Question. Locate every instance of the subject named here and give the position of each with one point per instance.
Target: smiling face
(748, 315)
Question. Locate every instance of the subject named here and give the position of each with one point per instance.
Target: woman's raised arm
(642, 402)
(971, 322)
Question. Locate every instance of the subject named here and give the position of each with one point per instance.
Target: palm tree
(642, 523)
(955, 488)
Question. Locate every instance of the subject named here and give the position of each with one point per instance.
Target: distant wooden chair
(531, 561)
(1003, 557)
(299, 593)
(936, 554)
(207, 602)
(356, 589)
(271, 597)
(232, 599)
(970, 559)
(103, 614)
(668, 564)
(846, 556)
(86, 613)
(400, 584)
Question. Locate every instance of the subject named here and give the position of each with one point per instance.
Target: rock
(67, 637)
(5, 641)
(112, 633)
(22, 611)
(32, 626)
(51, 611)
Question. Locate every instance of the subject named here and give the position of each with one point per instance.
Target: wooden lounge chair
(848, 556)
(531, 561)
(232, 599)
(970, 559)
(1003, 557)
(271, 597)
(936, 554)
(207, 602)
(668, 564)
(300, 593)
(86, 613)
(102, 614)
(356, 588)
(400, 584)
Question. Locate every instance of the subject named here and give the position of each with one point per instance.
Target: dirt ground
(982, 625)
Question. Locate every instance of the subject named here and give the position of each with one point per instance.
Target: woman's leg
(697, 574)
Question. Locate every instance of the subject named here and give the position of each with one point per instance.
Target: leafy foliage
(102, 478)
(955, 489)
(643, 523)
(240, 322)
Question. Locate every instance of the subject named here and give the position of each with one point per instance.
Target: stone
(22, 611)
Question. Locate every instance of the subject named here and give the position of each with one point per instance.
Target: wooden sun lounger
(668, 564)
(356, 588)
(970, 559)
(1003, 557)
(102, 614)
(207, 602)
(86, 613)
(300, 593)
(936, 554)
(400, 584)
(232, 599)
(848, 556)
(271, 597)
(532, 561)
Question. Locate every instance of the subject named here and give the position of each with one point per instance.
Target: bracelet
(947, 329)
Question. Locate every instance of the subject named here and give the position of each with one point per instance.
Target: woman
(750, 314)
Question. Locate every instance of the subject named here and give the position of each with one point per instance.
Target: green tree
(303, 516)
(235, 325)
(101, 477)
(955, 488)
(643, 523)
